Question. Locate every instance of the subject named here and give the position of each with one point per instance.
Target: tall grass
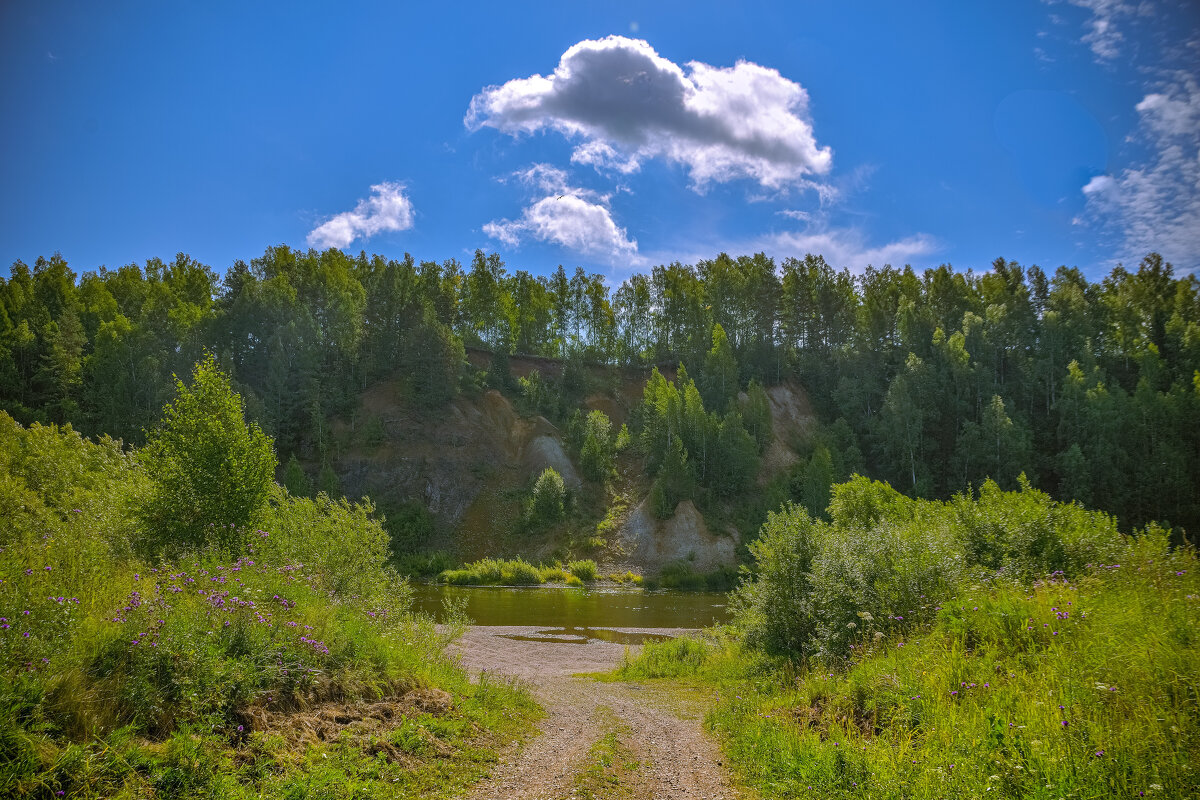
(519, 572)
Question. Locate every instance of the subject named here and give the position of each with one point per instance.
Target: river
(577, 614)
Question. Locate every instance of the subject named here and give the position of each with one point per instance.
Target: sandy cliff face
(652, 544)
(445, 461)
(460, 461)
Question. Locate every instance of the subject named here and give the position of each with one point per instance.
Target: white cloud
(628, 104)
(1103, 35)
(848, 247)
(602, 156)
(1155, 205)
(570, 221)
(387, 209)
(575, 218)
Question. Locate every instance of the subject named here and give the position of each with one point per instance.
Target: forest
(934, 381)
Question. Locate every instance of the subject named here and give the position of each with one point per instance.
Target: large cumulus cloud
(626, 104)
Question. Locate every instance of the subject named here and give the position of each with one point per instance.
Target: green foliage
(337, 540)
(328, 481)
(884, 562)
(584, 570)
(756, 412)
(674, 658)
(682, 576)
(409, 525)
(295, 479)
(372, 433)
(499, 572)
(210, 471)
(549, 498)
(119, 676)
(943, 379)
(598, 452)
(1079, 686)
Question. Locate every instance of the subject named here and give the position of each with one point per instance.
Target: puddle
(586, 635)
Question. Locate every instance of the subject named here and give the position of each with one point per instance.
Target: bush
(885, 562)
(549, 496)
(335, 539)
(584, 570)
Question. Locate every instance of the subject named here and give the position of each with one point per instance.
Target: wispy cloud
(1104, 35)
(628, 104)
(571, 217)
(1155, 205)
(848, 247)
(387, 209)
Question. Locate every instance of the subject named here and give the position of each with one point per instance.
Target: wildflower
(1064, 723)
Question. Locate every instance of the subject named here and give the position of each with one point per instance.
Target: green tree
(549, 498)
(210, 472)
(720, 376)
(295, 480)
(598, 452)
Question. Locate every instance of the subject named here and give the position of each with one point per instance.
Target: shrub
(884, 562)
(549, 495)
(336, 539)
(584, 570)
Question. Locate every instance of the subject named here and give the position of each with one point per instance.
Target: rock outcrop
(684, 538)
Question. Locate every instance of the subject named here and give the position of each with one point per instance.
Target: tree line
(932, 380)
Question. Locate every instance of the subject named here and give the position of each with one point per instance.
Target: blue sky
(609, 136)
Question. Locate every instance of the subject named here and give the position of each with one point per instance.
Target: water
(577, 611)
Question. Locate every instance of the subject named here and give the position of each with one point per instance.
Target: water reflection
(576, 609)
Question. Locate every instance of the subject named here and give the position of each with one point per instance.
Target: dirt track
(668, 753)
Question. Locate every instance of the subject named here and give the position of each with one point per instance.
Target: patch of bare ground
(598, 740)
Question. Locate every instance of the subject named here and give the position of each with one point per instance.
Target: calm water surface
(576, 608)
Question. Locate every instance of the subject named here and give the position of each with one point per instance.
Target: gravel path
(674, 758)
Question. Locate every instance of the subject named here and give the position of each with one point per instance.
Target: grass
(519, 572)
(1085, 689)
(610, 765)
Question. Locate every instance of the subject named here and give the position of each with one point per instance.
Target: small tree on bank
(210, 472)
(549, 498)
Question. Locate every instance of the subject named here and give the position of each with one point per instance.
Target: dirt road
(598, 740)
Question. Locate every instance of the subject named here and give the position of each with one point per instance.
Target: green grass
(974, 703)
(519, 572)
(610, 764)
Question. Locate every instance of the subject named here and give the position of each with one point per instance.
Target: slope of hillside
(469, 464)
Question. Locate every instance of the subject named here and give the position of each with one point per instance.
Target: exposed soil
(666, 753)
